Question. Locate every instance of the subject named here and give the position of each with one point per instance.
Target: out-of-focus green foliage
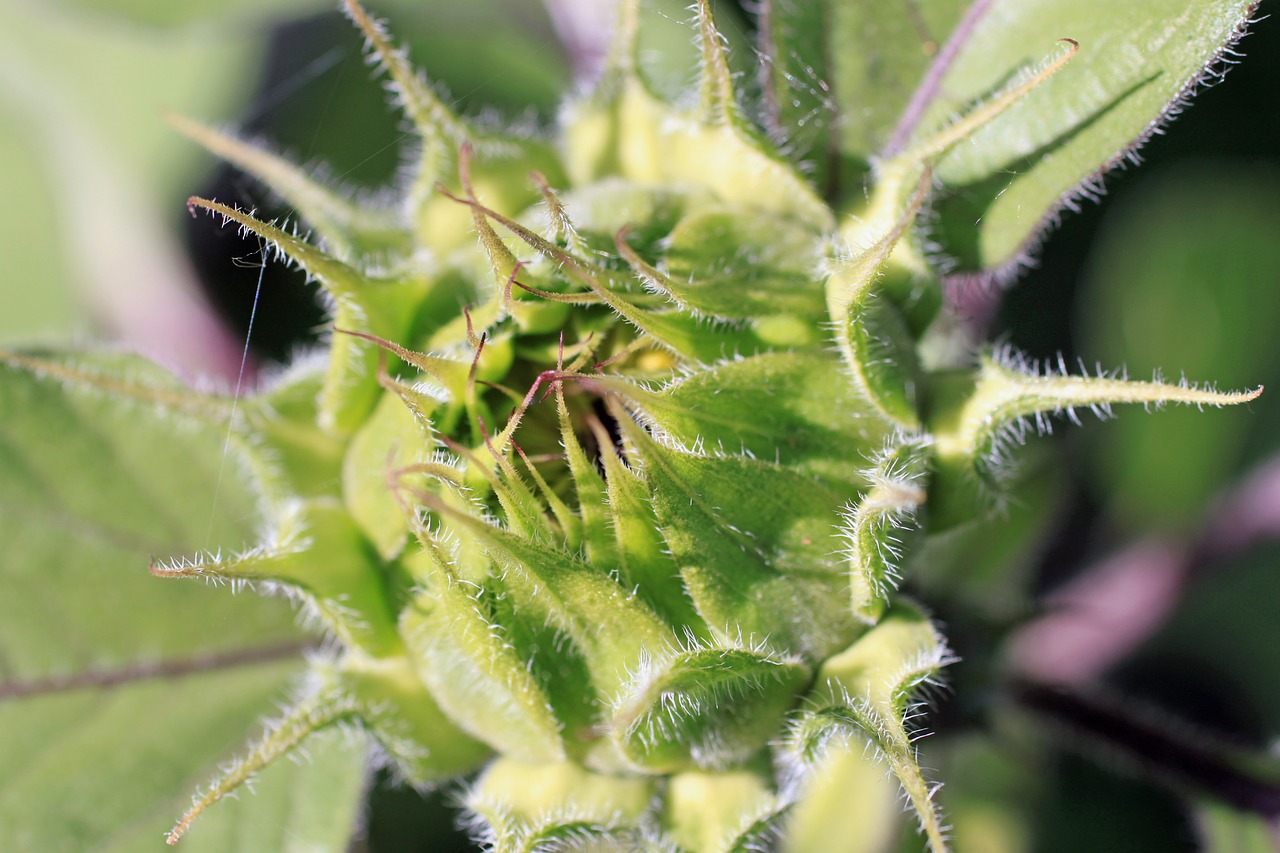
(126, 689)
(89, 157)
(94, 179)
(1188, 264)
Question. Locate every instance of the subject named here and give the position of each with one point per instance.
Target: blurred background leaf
(1185, 281)
(80, 100)
(120, 693)
(1225, 831)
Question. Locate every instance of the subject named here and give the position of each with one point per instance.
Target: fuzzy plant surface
(626, 433)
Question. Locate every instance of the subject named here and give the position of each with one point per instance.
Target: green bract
(611, 503)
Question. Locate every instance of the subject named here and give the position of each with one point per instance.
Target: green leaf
(109, 767)
(93, 486)
(796, 82)
(871, 330)
(645, 564)
(985, 565)
(310, 805)
(647, 212)
(707, 706)
(762, 831)
(318, 555)
(736, 266)
(301, 460)
(1012, 178)
(390, 438)
(531, 807)
(495, 55)
(387, 698)
(841, 74)
(865, 694)
(847, 803)
(726, 812)
(159, 13)
(571, 835)
(466, 656)
(591, 492)
(878, 526)
(814, 419)
(610, 626)
(373, 307)
(119, 690)
(754, 543)
(701, 340)
(345, 226)
(683, 333)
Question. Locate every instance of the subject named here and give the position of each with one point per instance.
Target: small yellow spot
(656, 361)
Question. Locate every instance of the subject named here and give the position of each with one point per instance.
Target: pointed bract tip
(179, 122)
(373, 339)
(174, 835)
(216, 141)
(196, 203)
(424, 108)
(298, 724)
(384, 346)
(360, 17)
(985, 113)
(621, 59)
(719, 101)
(465, 152)
(161, 570)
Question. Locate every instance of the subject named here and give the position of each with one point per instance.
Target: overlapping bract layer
(624, 495)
